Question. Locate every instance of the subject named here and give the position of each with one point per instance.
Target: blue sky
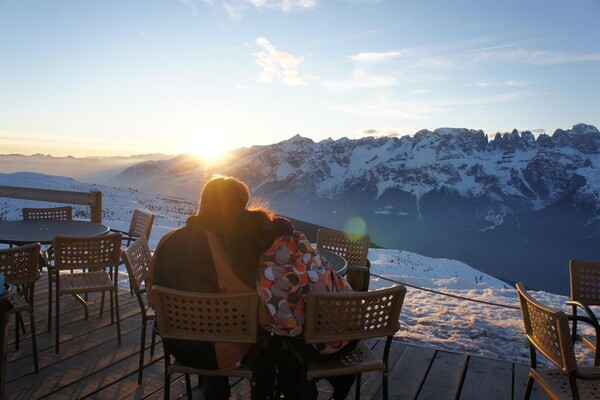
(110, 77)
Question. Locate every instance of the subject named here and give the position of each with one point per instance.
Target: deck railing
(92, 199)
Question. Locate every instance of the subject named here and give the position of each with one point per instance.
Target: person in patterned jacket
(290, 269)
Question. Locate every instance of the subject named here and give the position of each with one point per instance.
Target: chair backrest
(349, 316)
(547, 331)
(20, 264)
(141, 224)
(137, 257)
(585, 280)
(354, 248)
(87, 252)
(223, 317)
(54, 213)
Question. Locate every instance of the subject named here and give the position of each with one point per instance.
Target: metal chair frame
(338, 317)
(20, 268)
(352, 247)
(91, 256)
(211, 317)
(137, 257)
(547, 332)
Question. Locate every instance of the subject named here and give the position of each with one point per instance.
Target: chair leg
(49, 300)
(36, 364)
(253, 390)
(167, 395)
(385, 384)
(152, 343)
(57, 318)
(102, 306)
(117, 314)
(529, 387)
(188, 386)
(142, 348)
(21, 323)
(17, 331)
(167, 386)
(357, 388)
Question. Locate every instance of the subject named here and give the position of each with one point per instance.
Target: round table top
(43, 231)
(336, 262)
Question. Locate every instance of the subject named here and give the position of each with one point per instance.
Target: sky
(123, 77)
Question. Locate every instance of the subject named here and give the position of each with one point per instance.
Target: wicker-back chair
(210, 317)
(332, 317)
(137, 258)
(88, 258)
(585, 281)
(20, 268)
(54, 213)
(355, 249)
(547, 331)
(140, 226)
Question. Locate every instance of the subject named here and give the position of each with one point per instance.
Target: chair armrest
(357, 268)
(592, 321)
(587, 310)
(586, 376)
(45, 258)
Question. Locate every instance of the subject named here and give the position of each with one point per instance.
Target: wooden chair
(64, 213)
(20, 268)
(91, 256)
(547, 331)
(140, 226)
(223, 317)
(585, 281)
(137, 258)
(55, 213)
(332, 317)
(354, 248)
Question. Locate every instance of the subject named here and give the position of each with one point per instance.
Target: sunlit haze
(203, 76)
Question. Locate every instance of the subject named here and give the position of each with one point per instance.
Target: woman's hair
(223, 211)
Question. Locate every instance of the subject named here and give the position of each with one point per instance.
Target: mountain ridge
(494, 203)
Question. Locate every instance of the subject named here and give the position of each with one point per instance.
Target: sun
(209, 147)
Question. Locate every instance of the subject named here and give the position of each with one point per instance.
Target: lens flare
(355, 227)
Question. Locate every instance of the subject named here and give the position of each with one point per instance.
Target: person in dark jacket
(218, 250)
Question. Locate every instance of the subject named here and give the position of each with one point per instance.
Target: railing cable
(489, 303)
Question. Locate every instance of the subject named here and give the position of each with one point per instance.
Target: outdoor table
(43, 231)
(336, 262)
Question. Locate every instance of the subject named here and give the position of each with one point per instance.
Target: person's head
(223, 197)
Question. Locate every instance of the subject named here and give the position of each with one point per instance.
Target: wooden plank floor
(92, 366)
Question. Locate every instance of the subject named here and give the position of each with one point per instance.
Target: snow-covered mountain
(427, 319)
(504, 205)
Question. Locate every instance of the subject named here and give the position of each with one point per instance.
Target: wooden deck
(92, 365)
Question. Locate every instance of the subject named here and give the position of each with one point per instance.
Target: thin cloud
(537, 57)
(388, 108)
(285, 5)
(279, 65)
(421, 91)
(191, 5)
(490, 48)
(236, 8)
(375, 57)
(360, 79)
(389, 132)
(517, 83)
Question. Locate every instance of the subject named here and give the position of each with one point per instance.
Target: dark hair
(241, 231)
